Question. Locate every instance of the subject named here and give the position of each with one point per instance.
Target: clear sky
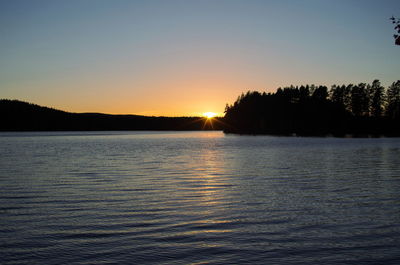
(187, 57)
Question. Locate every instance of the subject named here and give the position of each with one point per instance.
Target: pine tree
(377, 93)
(393, 100)
(359, 100)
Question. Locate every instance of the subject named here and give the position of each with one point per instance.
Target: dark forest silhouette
(342, 110)
(22, 116)
(359, 110)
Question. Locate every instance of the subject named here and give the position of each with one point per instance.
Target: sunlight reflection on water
(198, 197)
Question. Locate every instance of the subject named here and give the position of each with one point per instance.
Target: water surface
(197, 198)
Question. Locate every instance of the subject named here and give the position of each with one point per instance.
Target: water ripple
(184, 198)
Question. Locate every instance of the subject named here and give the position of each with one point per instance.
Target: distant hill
(17, 115)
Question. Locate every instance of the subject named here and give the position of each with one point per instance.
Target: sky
(187, 57)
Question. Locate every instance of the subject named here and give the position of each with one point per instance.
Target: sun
(209, 115)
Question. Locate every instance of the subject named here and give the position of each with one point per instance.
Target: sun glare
(209, 115)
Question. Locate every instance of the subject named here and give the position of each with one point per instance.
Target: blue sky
(187, 57)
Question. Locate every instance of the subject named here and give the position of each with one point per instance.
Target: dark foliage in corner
(396, 23)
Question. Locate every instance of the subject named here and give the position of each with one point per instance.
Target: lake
(197, 198)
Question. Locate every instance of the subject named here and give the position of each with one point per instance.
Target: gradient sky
(187, 57)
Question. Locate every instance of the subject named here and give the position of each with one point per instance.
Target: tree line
(17, 115)
(356, 109)
(316, 110)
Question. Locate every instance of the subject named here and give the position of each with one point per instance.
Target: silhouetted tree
(359, 100)
(338, 95)
(347, 96)
(377, 93)
(393, 100)
(304, 93)
(320, 93)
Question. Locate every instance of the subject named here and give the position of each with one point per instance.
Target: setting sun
(209, 115)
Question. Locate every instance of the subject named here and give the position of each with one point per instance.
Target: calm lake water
(197, 198)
